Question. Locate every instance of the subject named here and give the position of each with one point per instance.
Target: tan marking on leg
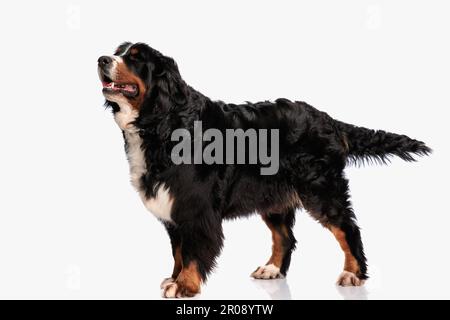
(190, 278)
(277, 243)
(187, 284)
(351, 265)
(271, 270)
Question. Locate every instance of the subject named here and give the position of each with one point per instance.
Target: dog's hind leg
(355, 270)
(283, 243)
(331, 207)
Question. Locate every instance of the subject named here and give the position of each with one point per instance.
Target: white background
(71, 226)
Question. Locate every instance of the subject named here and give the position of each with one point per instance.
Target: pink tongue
(128, 88)
(110, 85)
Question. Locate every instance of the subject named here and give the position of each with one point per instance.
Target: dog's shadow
(353, 293)
(277, 289)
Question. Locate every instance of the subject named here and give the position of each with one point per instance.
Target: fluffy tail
(366, 145)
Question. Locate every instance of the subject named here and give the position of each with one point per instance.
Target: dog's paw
(170, 290)
(178, 290)
(349, 279)
(166, 282)
(269, 271)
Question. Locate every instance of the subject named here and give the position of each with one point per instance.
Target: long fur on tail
(367, 145)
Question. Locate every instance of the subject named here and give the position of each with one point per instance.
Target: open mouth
(127, 89)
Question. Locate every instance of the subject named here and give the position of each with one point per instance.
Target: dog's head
(135, 71)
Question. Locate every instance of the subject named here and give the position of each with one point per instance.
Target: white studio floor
(133, 267)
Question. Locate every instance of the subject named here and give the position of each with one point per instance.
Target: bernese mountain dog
(150, 100)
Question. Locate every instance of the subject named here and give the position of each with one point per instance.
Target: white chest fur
(161, 204)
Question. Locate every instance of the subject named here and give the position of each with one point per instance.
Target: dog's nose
(104, 61)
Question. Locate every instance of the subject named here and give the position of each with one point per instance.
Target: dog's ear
(172, 90)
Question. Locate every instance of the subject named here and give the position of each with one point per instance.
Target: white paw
(349, 279)
(166, 282)
(269, 271)
(170, 290)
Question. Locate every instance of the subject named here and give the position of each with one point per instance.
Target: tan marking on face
(178, 263)
(351, 264)
(134, 51)
(189, 279)
(125, 76)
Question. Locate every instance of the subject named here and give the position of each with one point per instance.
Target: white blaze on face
(121, 100)
(117, 59)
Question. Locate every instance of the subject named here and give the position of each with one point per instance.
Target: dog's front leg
(175, 241)
(201, 241)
